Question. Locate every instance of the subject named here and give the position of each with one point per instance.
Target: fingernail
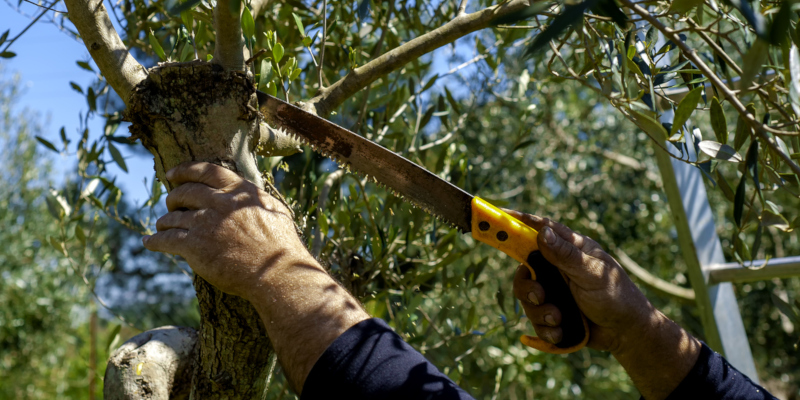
(549, 236)
(549, 337)
(532, 298)
(535, 218)
(145, 238)
(549, 320)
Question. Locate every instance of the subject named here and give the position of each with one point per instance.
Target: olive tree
(372, 67)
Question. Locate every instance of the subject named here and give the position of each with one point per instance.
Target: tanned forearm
(242, 240)
(659, 358)
(304, 310)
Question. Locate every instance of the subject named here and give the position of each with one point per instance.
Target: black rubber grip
(557, 293)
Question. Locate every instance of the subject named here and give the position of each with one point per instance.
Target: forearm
(304, 311)
(659, 358)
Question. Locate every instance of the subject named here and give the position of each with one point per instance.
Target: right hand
(617, 311)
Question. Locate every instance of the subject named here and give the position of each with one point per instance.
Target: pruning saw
(465, 212)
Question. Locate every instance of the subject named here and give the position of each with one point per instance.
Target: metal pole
(785, 267)
(701, 248)
(700, 245)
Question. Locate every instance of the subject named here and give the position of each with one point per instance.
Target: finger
(202, 172)
(548, 333)
(534, 221)
(580, 241)
(178, 220)
(172, 241)
(538, 223)
(191, 196)
(545, 320)
(562, 253)
(545, 314)
(526, 289)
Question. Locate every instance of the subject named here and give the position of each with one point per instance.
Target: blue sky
(46, 61)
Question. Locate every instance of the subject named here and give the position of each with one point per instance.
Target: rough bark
(198, 111)
(154, 365)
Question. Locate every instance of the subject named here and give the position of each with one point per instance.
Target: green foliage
(55, 248)
(545, 135)
(43, 349)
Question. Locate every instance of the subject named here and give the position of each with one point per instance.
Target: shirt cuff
(370, 361)
(712, 377)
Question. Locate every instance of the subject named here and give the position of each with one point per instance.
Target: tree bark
(198, 111)
(154, 365)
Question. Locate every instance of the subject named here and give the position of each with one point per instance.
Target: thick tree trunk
(199, 112)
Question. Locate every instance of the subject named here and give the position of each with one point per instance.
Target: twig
(322, 201)
(10, 42)
(258, 54)
(46, 8)
(444, 139)
(322, 42)
(376, 50)
(462, 8)
(525, 27)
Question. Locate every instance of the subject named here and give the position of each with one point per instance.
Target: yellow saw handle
(500, 230)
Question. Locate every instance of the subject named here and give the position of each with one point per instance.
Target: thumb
(561, 253)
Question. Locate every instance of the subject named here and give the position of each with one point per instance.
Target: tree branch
(274, 142)
(319, 238)
(324, 10)
(462, 8)
(108, 51)
(658, 285)
(331, 97)
(229, 51)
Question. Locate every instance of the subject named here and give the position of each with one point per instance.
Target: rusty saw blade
(486, 223)
(353, 152)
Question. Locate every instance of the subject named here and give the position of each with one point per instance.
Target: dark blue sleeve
(370, 361)
(714, 378)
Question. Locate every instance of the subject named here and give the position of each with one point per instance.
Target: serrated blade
(351, 151)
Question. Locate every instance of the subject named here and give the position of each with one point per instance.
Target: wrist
(275, 270)
(639, 333)
(304, 310)
(657, 355)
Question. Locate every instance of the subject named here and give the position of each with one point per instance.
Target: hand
(614, 306)
(228, 230)
(656, 352)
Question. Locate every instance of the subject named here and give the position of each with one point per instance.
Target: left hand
(228, 230)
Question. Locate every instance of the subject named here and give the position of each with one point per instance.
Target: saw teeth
(346, 166)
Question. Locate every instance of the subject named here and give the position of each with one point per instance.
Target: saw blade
(404, 178)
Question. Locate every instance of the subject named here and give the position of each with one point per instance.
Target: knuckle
(572, 252)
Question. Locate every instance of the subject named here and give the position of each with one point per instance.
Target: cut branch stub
(154, 365)
(197, 111)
